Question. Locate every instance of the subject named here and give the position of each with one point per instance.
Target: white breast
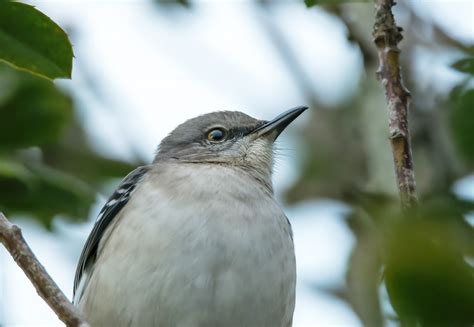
(196, 245)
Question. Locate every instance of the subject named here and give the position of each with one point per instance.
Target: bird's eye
(216, 135)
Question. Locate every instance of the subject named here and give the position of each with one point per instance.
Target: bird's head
(226, 138)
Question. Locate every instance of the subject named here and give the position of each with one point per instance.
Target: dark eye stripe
(215, 135)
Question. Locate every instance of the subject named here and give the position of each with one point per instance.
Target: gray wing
(110, 210)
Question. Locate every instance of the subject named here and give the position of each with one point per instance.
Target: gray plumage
(196, 238)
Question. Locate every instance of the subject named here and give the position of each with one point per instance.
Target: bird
(197, 237)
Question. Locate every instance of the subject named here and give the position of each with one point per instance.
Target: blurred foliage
(26, 100)
(465, 65)
(462, 123)
(419, 258)
(428, 279)
(172, 3)
(462, 113)
(31, 41)
(47, 165)
(346, 145)
(34, 189)
(422, 258)
(327, 133)
(364, 270)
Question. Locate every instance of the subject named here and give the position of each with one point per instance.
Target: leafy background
(360, 260)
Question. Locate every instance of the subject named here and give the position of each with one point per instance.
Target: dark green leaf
(462, 123)
(42, 192)
(427, 278)
(34, 112)
(465, 65)
(31, 41)
(14, 169)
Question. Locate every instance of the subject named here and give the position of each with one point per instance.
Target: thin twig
(12, 239)
(387, 35)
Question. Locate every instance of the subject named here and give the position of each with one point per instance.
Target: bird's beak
(275, 126)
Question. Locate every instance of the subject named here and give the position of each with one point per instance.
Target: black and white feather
(110, 210)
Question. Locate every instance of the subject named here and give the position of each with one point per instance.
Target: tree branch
(387, 35)
(12, 239)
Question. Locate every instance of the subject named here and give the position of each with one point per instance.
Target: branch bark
(387, 35)
(12, 239)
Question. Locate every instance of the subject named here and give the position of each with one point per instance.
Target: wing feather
(110, 210)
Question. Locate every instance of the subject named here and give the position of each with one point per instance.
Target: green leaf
(462, 123)
(428, 281)
(43, 192)
(31, 41)
(465, 65)
(34, 112)
(14, 169)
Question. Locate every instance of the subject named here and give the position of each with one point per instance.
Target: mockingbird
(196, 238)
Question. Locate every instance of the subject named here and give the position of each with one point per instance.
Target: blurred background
(143, 67)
